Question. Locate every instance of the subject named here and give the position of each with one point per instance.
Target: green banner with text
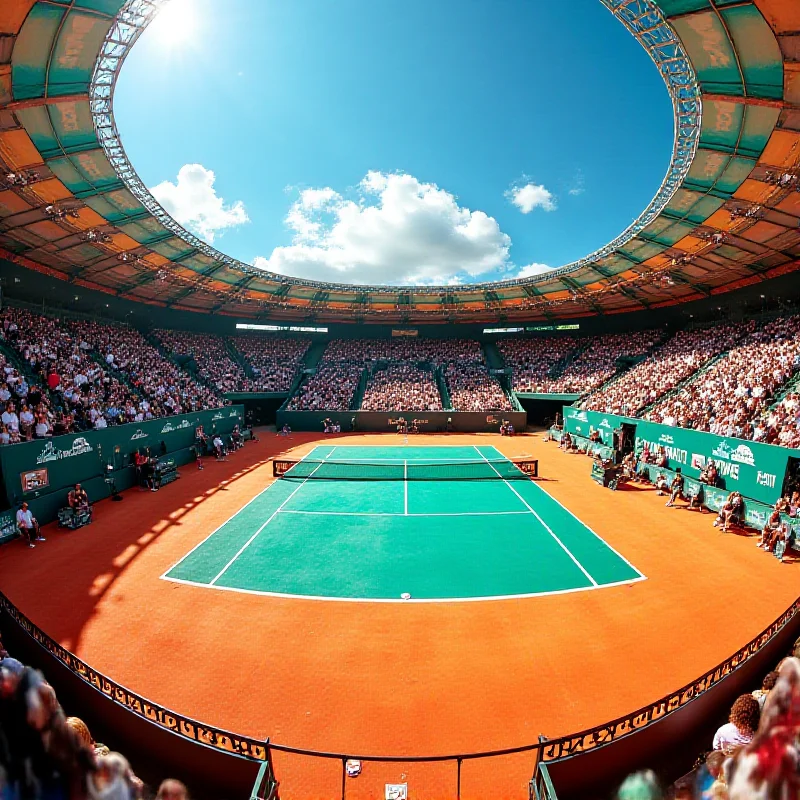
(756, 470)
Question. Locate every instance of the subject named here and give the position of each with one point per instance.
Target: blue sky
(438, 141)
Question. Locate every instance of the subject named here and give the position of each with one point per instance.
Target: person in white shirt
(28, 526)
(10, 418)
(739, 731)
(219, 447)
(100, 423)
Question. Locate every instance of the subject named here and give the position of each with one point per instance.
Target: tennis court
(384, 523)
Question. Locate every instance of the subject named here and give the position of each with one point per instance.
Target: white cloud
(394, 230)
(579, 184)
(194, 202)
(532, 269)
(530, 196)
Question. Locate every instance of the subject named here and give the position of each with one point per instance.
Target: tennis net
(500, 469)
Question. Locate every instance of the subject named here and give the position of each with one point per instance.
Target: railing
(541, 787)
(543, 752)
(266, 787)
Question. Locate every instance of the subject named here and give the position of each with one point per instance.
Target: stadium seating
(673, 362)
(402, 387)
(214, 364)
(472, 388)
(598, 362)
(330, 389)
(274, 360)
(732, 396)
(533, 359)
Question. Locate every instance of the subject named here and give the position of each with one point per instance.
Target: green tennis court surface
(436, 539)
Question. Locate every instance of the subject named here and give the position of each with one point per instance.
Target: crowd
(754, 754)
(46, 755)
(732, 397)
(411, 349)
(598, 362)
(330, 389)
(472, 388)
(215, 367)
(164, 388)
(274, 360)
(83, 393)
(673, 362)
(532, 359)
(401, 387)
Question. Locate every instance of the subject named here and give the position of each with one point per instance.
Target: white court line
(548, 528)
(270, 518)
(389, 514)
(577, 519)
(328, 599)
(378, 462)
(218, 529)
(405, 487)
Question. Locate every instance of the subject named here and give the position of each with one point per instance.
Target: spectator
(172, 790)
(741, 727)
(28, 525)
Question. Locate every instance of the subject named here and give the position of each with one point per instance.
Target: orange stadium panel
(782, 149)
(782, 15)
(13, 13)
(762, 232)
(12, 203)
(51, 191)
(721, 220)
(754, 191)
(17, 149)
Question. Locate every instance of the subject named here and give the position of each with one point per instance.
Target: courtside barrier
(41, 472)
(551, 752)
(755, 469)
(387, 421)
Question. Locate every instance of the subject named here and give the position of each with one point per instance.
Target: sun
(176, 23)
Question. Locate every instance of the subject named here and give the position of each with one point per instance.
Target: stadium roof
(726, 215)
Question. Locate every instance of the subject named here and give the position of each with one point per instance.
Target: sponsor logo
(674, 454)
(51, 453)
(666, 438)
(765, 479)
(728, 470)
(698, 461)
(579, 415)
(744, 455)
(722, 450)
(140, 434)
(217, 416)
(234, 414)
(169, 427)
(490, 420)
(604, 424)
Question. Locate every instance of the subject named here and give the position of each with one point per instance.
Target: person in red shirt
(53, 380)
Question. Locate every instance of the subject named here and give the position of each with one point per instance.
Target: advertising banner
(756, 470)
(44, 466)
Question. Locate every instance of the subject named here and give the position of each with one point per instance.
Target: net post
(458, 783)
(344, 777)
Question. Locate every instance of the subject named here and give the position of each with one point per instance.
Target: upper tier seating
(532, 359)
(597, 363)
(330, 389)
(274, 360)
(214, 364)
(437, 351)
(733, 395)
(402, 387)
(673, 362)
(472, 388)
